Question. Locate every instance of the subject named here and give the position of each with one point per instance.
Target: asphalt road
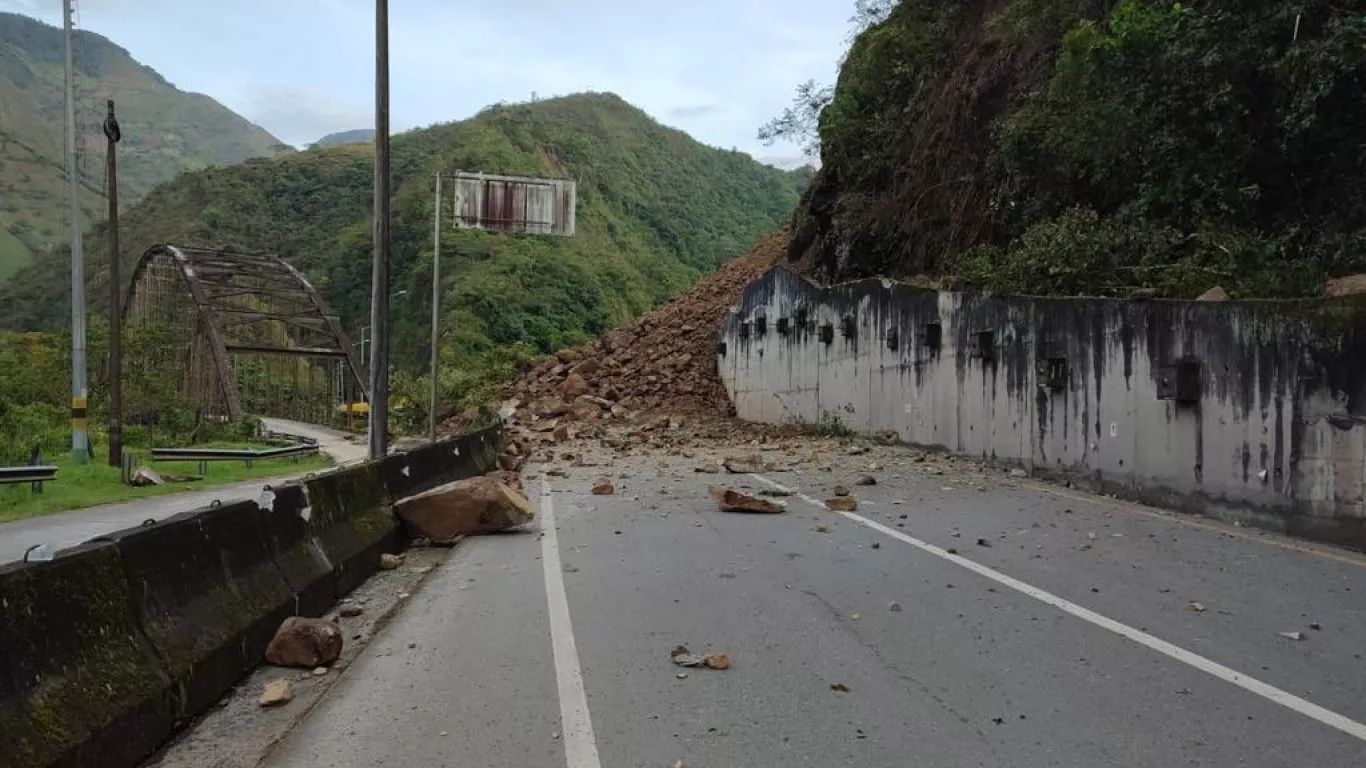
(68, 529)
(1066, 636)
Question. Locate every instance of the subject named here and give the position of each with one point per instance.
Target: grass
(89, 485)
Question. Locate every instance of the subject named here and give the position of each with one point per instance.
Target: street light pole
(436, 307)
(379, 279)
(80, 438)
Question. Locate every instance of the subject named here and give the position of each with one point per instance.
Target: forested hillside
(656, 209)
(1092, 146)
(166, 131)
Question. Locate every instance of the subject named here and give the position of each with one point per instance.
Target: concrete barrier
(204, 588)
(297, 551)
(411, 472)
(445, 461)
(79, 683)
(352, 518)
(110, 647)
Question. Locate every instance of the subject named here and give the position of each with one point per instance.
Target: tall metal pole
(80, 441)
(379, 280)
(436, 306)
(113, 134)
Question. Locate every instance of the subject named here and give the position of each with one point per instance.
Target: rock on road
(68, 529)
(1066, 636)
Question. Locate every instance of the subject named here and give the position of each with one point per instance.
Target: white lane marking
(580, 745)
(1246, 682)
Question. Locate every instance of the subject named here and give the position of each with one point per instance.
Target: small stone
(842, 504)
(388, 562)
(320, 671)
(351, 611)
(877, 545)
(866, 480)
(842, 491)
(718, 661)
(277, 693)
(894, 607)
(1296, 636)
(603, 487)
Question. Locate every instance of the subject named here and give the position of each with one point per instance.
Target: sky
(301, 69)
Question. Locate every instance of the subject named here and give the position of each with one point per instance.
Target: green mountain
(1096, 146)
(355, 136)
(656, 209)
(165, 132)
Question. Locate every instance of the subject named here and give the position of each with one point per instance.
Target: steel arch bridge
(233, 334)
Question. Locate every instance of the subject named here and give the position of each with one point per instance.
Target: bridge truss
(240, 333)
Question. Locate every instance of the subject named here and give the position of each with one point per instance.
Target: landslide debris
(664, 360)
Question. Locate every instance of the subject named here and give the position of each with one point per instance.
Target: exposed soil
(662, 362)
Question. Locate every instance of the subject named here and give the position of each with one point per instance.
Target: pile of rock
(663, 361)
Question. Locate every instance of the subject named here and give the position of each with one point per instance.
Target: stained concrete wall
(1269, 429)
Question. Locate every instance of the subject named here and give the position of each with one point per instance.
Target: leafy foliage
(34, 399)
(1085, 146)
(655, 210)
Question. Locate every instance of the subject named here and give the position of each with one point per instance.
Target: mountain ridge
(656, 210)
(165, 131)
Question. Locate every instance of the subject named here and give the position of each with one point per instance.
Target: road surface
(67, 529)
(984, 620)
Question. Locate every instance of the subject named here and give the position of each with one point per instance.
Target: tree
(800, 122)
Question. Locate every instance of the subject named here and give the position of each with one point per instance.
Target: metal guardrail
(36, 475)
(249, 455)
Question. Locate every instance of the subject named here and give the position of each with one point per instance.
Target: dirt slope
(663, 361)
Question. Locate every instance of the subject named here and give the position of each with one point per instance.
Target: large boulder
(466, 508)
(575, 386)
(303, 642)
(1351, 285)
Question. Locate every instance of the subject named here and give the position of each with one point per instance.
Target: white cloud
(715, 68)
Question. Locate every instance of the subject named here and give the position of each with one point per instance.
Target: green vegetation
(34, 370)
(79, 486)
(656, 209)
(166, 131)
(1094, 146)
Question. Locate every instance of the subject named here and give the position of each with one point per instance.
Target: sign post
(519, 205)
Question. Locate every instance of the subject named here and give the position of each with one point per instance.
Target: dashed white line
(1246, 682)
(580, 745)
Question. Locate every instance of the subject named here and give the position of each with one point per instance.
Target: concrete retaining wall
(108, 649)
(1254, 411)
